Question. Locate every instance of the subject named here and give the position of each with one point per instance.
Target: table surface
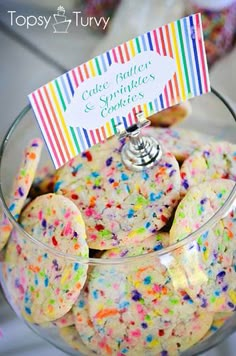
(30, 58)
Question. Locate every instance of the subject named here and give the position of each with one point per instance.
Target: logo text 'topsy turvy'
(59, 21)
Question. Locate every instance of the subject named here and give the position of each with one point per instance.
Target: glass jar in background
(219, 25)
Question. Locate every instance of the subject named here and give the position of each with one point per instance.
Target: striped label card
(149, 73)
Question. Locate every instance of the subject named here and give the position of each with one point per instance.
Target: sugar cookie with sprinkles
(84, 326)
(165, 338)
(22, 184)
(62, 322)
(83, 323)
(138, 309)
(209, 260)
(186, 333)
(71, 337)
(119, 206)
(43, 182)
(171, 116)
(198, 206)
(212, 161)
(181, 142)
(218, 321)
(153, 243)
(47, 284)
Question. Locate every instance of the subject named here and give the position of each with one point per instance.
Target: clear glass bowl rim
(223, 211)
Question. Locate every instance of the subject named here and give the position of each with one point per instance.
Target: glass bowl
(137, 305)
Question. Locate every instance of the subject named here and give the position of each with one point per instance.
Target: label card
(149, 73)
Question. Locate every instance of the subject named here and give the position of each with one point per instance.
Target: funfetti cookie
(185, 335)
(168, 339)
(138, 296)
(180, 142)
(84, 326)
(43, 182)
(198, 206)
(153, 243)
(83, 323)
(212, 161)
(119, 206)
(137, 308)
(46, 285)
(171, 116)
(62, 322)
(218, 321)
(207, 261)
(71, 337)
(22, 183)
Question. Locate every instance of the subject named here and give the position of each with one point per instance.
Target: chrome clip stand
(140, 152)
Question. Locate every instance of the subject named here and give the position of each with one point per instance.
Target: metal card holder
(139, 152)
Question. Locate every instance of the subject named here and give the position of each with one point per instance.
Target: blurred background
(31, 54)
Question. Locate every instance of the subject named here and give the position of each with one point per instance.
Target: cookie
(153, 243)
(46, 285)
(22, 183)
(171, 116)
(62, 322)
(119, 206)
(198, 206)
(168, 339)
(184, 336)
(180, 142)
(212, 161)
(85, 328)
(83, 323)
(137, 308)
(207, 261)
(71, 337)
(43, 182)
(218, 321)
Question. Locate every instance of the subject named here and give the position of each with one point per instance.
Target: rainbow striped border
(182, 40)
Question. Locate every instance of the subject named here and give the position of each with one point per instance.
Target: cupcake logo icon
(61, 24)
